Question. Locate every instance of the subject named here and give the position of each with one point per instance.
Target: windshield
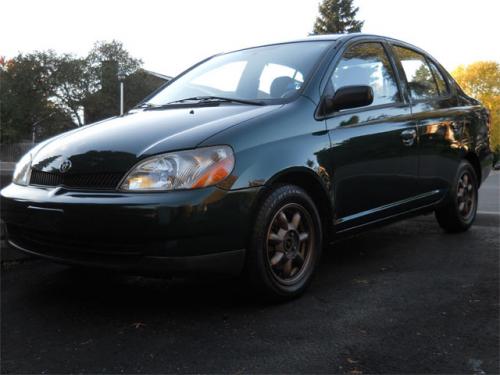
(266, 73)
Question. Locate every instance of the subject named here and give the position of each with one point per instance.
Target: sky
(171, 35)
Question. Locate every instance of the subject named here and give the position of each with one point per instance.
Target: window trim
(395, 68)
(365, 109)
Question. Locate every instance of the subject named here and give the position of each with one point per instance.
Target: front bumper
(196, 230)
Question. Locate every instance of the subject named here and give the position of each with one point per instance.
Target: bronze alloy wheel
(458, 211)
(466, 198)
(285, 245)
(290, 243)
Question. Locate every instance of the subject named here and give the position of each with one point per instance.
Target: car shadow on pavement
(116, 290)
(343, 263)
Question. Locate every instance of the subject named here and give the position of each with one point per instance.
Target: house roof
(158, 75)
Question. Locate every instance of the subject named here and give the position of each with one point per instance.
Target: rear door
(373, 152)
(440, 121)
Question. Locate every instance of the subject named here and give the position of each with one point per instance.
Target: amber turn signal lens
(215, 174)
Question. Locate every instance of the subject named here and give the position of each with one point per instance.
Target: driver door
(374, 149)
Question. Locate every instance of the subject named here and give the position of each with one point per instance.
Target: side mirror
(347, 97)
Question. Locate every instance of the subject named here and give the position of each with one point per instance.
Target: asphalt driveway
(406, 298)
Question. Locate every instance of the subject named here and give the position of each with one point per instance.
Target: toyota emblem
(65, 166)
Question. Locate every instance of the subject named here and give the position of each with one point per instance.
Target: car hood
(116, 144)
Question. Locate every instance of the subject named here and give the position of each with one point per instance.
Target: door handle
(408, 137)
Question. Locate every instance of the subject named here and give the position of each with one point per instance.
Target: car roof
(339, 38)
(346, 37)
(343, 37)
(309, 38)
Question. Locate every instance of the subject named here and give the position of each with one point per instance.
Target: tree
(91, 83)
(104, 61)
(481, 80)
(71, 83)
(337, 17)
(51, 90)
(25, 97)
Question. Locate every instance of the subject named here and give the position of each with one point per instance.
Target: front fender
(283, 140)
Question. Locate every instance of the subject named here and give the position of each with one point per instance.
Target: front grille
(99, 181)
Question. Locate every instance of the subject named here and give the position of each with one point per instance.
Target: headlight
(190, 169)
(23, 170)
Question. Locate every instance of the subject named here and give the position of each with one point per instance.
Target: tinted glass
(367, 64)
(224, 78)
(438, 76)
(268, 81)
(418, 74)
(265, 73)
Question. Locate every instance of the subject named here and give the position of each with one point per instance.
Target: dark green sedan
(250, 161)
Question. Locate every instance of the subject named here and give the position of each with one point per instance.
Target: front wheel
(285, 244)
(459, 211)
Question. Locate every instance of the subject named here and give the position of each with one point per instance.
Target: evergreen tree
(337, 17)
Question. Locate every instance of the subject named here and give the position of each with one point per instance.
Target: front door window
(367, 64)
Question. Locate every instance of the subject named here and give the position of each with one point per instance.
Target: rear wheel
(459, 211)
(285, 244)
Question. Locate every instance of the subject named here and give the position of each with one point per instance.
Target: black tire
(286, 276)
(458, 211)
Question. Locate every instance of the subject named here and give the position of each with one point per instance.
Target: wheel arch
(313, 184)
(472, 158)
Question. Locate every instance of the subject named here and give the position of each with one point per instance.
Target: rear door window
(418, 74)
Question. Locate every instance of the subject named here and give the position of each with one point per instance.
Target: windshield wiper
(204, 99)
(145, 106)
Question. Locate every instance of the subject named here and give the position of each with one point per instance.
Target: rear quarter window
(440, 81)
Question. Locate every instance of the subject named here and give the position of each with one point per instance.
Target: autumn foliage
(481, 80)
